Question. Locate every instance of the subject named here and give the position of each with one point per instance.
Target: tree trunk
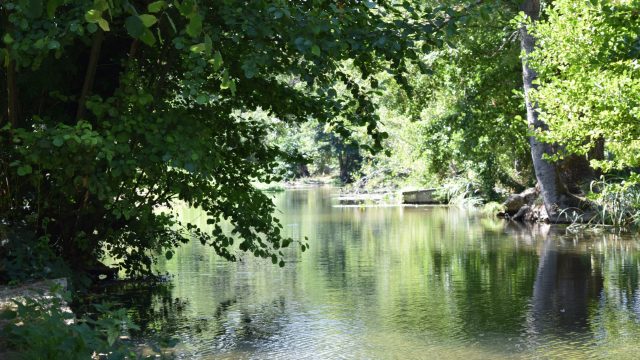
(12, 94)
(90, 75)
(550, 176)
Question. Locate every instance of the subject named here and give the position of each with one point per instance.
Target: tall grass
(460, 192)
(616, 202)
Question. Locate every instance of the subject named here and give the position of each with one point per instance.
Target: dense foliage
(118, 109)
(589, 74)
(45, 328)
(463, 119)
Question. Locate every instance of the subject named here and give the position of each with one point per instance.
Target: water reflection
(403, 283)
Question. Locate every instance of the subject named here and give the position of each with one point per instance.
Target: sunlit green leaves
(198, 48)
(589, 87)
(170, 123)
(148, 20)
(95, 15)
(156, 6)
(217, 61)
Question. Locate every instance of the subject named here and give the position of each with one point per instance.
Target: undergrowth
(43, 328)
(615, 203)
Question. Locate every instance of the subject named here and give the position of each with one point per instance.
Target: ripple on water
(403, 283)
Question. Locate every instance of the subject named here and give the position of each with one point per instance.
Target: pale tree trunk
(554, 191)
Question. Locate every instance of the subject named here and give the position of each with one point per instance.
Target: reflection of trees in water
(165, 321)
(431, 272)
(586, 288)
(565, 287)
(150, 306)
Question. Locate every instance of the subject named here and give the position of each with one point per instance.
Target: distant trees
(577, 65)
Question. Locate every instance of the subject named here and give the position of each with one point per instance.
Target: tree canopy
(118, 109)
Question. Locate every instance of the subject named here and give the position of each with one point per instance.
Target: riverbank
(38, 323)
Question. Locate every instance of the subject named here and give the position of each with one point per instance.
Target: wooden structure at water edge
(421, 197)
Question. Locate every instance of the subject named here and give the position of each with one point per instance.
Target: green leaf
(7, 38)
(202, 99)
(24, 170)
(148, 38)
(195, 25)
(208, 44)
(148, 20)
(173, 26)
(58, 141)
(250, 69)
(315, 50)
(168, 255)
(31, 8)
(100, 5)
(216, 61)
(53, 44)
(104, 25)
(93, 16)
(226, 82)
(135, 27)
(198, 48)
(156, 6)
(52, 6)
(91, 27)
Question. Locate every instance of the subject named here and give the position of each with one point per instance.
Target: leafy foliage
(589, 79)
(118, 109)
(41, 328)
(26, 256)
(466, 108)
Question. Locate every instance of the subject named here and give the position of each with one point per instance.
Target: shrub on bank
(44, 328)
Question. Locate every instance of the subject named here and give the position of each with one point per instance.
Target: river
(398, 283)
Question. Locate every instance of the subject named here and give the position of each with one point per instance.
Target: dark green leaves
(52, 6)
(134, 25)
(138, 27)
(32, 8)
(24, 170)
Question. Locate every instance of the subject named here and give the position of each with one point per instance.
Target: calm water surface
(399, 283)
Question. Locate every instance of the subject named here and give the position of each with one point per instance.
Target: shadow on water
(399, 282)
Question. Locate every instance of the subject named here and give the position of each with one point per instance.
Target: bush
(41, 328)
(27, 256)
(616, 202)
